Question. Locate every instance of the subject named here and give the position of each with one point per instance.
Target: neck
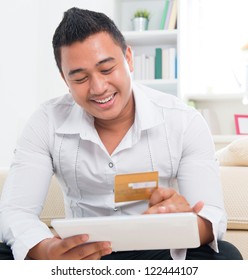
(122, 122)
(113, 131)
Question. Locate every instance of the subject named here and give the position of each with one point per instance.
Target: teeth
(105, 100)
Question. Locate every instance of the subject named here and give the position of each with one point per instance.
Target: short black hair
(78, 24)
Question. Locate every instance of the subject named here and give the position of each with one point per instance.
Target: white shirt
(167, 136)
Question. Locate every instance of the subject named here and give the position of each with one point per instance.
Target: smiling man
(97, 72)
(108, 125)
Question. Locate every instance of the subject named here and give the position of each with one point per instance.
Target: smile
(103, 101)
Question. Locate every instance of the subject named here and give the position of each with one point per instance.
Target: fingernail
(107, 245)
(84, 237)
(162, 209)
(108, 251)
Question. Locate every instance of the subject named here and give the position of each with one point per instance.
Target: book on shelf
(158, 63)
(172, 63)
(173, 16)
(169, 16)
(144, 67)
(165, 63)
(169, 63)
(165, 12)
(162, 65)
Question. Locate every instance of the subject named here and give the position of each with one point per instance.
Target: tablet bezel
(135, 232)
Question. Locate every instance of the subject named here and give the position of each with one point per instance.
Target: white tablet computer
(136, 232)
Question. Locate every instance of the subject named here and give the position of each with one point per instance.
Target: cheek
(78, 93)
(124, 73)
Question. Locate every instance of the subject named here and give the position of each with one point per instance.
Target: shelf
(168, 86)
(214, 97)
(151, 37)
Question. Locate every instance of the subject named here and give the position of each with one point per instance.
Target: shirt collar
(78, 122)
(148, 114)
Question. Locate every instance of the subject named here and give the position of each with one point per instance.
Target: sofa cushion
(235, 190)
(234, 154)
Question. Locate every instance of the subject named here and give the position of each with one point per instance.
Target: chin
(107, 117)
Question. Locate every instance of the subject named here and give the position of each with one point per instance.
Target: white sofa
(233, 161)
(235, 187)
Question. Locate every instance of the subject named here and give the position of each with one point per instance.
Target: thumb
(198, 207)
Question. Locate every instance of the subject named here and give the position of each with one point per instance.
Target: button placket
(111, 171)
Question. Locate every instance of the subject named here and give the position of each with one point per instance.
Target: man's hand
(169, 201)
(71, 248)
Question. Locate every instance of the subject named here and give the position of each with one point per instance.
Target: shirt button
(111, 164)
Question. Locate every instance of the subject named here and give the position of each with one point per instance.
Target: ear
(129, 58)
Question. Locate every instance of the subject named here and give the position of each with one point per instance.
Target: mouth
(105, 100)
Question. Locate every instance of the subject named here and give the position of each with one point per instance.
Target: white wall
(28, 73)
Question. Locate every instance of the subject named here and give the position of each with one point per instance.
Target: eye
(107, 71)
(82, 80)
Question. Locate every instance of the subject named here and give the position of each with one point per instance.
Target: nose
(98, 84)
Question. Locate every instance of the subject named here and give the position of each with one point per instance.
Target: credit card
(135, 186)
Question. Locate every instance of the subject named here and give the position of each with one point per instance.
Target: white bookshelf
(145, 42)
(151, 37)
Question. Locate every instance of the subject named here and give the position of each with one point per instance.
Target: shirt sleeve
(199, 176)
(26, 188)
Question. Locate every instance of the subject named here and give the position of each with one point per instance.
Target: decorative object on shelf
(141, 20)
(241, 124)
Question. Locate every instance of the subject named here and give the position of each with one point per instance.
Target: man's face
(98, 75)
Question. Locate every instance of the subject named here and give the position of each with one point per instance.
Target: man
(106, 126)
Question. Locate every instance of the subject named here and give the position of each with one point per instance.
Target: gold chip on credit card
(135, 186)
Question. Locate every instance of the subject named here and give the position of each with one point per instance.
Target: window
(219, 31)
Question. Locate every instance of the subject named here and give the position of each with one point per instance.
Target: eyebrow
(79, 70)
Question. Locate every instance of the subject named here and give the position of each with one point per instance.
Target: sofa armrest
(54, 204)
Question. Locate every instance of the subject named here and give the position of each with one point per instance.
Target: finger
(167, 209)
(161, 209)
(99, 254)
(91, 251)
(198, 206)
(69, 243)
(160, 195)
